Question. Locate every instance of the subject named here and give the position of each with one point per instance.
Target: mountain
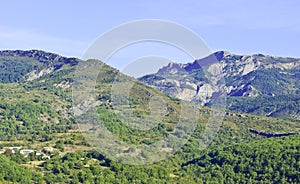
(18, 65)
(37, 113)
(259, 84)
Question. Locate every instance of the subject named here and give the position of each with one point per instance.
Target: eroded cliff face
(251, 77)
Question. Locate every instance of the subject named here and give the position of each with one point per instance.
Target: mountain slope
(267, 161)
(21, 65)
(258, 84)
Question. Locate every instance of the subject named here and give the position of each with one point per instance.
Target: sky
(270, 27)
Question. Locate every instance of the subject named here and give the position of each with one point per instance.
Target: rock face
(259, 82)
(37, 74)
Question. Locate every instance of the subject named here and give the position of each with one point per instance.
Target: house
(50, 149)
(26, 152)
(38, 153)
(13, 149)
(2, 151)
(46, 157)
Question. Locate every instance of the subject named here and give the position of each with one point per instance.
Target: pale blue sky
(69, 27)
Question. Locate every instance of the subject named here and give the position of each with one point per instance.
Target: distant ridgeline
(265, 134)
(18, 65)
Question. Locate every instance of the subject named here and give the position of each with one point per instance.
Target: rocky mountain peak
(171, 68)
(249, 79)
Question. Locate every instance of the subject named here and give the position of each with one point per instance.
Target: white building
(26, 151)
(50, 149)
(2, 151)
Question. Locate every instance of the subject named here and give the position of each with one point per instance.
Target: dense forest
(274, 160)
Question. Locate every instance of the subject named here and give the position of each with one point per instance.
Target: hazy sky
(69, 27)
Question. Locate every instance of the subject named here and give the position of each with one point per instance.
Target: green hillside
(37, 114)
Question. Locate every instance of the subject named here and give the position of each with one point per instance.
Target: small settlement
(26, 152)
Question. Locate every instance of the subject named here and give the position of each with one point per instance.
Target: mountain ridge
(253, 83)
(37, 113)
(251, 77)
(18, 65)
